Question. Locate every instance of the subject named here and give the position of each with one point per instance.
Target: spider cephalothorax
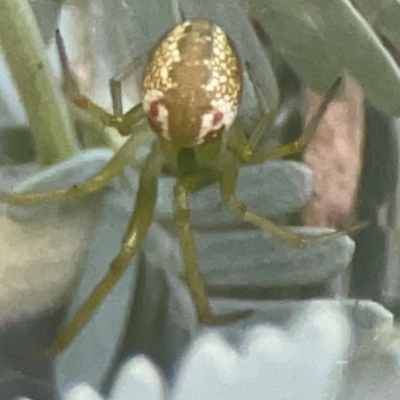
(192, 84)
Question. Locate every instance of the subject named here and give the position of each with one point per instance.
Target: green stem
(44, 103)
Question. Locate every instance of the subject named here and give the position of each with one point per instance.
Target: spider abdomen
(192, 84)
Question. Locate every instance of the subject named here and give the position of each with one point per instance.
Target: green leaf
(324, 39)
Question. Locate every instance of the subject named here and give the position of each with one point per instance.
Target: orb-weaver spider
(191, 90)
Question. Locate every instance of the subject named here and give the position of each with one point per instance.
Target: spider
(191, 93)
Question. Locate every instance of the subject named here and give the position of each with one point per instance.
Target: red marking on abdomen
(154, 109)
(218, 115)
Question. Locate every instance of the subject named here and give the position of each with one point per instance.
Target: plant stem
(43, 100)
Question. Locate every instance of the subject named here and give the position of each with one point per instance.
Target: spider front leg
(138, 225)
(123, 122)
(113, 168)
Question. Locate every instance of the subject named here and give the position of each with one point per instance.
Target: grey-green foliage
(323, 39)
(46, 12)
(384, 16)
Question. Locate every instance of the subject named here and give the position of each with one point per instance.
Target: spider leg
(248, 154)
(121, 75)
(135, 233)
(122, 122)
(182, 189)
(194, 279)
(228, 179)
(267, 118)
(229, 171)
(97, 181)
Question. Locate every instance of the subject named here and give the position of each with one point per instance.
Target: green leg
(267, 118)
(121, 75)
(229, 170)
(136, 232)
(96, 182)
(194, 279)
(122, 122)
(251, 156)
